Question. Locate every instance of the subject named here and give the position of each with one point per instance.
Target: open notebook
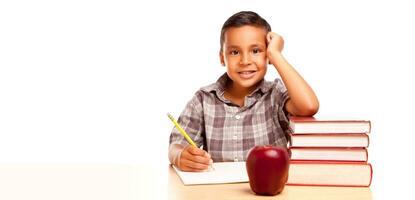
(222, 172)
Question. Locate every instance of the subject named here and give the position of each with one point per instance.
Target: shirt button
(237, 116)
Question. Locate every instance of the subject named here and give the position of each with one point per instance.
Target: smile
(247, 74)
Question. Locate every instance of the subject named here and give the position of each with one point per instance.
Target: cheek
(231, 60)
(261, 61)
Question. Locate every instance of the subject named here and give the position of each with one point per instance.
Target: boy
(242, 110)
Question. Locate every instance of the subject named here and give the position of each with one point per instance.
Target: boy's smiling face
(245, 56)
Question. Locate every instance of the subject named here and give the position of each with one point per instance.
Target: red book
(329, 154)
(313, 173)
(329, 140)
(311, 125)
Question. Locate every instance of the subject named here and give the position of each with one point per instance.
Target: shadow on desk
(176, 190)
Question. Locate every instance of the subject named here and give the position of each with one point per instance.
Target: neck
(238, 91)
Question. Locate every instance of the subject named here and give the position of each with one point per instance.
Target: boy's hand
(275, 45)
(194, 159)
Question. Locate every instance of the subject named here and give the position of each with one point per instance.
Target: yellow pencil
(181, 130)
(184, 133)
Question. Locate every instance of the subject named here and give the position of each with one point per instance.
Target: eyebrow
(236, 46)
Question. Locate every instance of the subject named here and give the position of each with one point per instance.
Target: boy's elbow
(309, 110)
(312, 110)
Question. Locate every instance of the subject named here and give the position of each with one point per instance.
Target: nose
(245, 59)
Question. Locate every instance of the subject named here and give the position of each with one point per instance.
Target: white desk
(120, 182)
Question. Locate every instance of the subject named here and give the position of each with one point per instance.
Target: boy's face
(245, 55)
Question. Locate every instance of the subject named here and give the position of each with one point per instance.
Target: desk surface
(120, 182)
(242, 191)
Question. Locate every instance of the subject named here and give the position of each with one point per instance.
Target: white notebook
(222, 172)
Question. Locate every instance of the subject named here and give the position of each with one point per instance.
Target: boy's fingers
(204, 159)
(187, 152)
(184, 166)
(199, 159)
(270, 36)
(189, 165)
(196, 151)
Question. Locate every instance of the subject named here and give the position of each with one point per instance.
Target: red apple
(267, 168)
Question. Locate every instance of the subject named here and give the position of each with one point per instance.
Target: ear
(222, 59)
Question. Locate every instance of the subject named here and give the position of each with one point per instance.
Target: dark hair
(241, 19)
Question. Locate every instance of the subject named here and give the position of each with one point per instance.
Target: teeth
(246, 72)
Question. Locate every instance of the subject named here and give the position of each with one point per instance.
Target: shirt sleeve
(191, 120)
(281, 99)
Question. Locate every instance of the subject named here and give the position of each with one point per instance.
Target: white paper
(222, 172)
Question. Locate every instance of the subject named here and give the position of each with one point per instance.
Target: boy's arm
(303, 101)
(181, 154)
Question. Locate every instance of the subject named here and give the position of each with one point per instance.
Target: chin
(249, 83)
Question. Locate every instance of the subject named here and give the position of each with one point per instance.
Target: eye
(256, 51)
(234, 52)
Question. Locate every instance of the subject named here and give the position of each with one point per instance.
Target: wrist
(175, 152)
(177, 159)
(274, 57)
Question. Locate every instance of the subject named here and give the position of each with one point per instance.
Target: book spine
(333, 185)
(344, 149)
(328, 145)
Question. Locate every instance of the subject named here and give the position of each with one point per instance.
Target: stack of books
(329, 152)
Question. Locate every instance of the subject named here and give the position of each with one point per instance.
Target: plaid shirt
(228, 131)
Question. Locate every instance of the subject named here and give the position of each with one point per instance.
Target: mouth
(247, 74)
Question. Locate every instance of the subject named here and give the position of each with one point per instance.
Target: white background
(91, 81)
